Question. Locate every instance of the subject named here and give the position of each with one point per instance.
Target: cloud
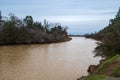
(76, 18)
(73, 13)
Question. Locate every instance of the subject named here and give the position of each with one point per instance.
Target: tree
(118, 14)
(10, 32)
(38, 25)
(28, 20)
(0, 19)
(46, 25)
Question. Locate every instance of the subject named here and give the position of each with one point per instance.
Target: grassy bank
(112, 64)
(107, 70)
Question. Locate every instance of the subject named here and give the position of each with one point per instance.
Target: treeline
(109, 38)
(26, 31)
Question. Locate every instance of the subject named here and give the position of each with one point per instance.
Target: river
(56, 61)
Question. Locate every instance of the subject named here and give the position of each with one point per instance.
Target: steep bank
(108, 69)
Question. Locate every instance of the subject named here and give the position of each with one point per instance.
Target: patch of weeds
(96, 77)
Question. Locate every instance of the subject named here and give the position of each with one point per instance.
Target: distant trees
(26, 31)
(109, 37)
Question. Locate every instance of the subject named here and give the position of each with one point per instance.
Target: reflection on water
(57, 61)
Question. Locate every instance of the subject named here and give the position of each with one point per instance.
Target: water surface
(57, 61)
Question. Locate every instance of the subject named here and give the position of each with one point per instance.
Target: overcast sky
(81, 16)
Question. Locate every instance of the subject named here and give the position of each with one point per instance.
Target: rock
(91, 68)
(82, 78)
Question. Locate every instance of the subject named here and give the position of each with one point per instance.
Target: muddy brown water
(57, 61)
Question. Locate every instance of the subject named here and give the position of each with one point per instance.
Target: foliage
(26, 31)
(109, 38)
(96, 77)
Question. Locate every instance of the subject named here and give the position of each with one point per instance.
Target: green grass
(100, 68)
(96, 77)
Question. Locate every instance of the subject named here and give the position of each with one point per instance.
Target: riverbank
(63, 40)
(53, 41)
(108, 69)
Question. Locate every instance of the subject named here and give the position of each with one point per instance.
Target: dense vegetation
(109, 38)
(25, 31)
